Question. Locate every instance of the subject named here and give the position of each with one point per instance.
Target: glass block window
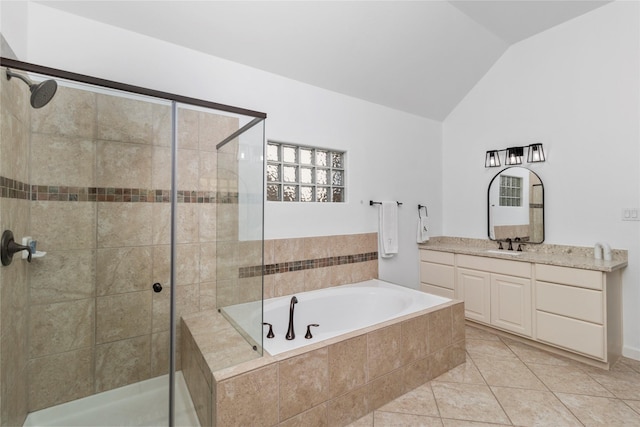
(296, 173)
(510, 191)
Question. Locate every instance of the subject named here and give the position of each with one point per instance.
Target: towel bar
(371, 203)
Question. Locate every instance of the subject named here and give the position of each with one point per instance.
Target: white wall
(391, 155)
(575, 88)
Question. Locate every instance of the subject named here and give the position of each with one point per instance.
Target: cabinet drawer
(437, 290)
(437, 274)
(572, 334)
(569, 276)
(437, 257)
(579, 303)
(493, 265)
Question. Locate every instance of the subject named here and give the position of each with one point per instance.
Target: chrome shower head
(41, 93)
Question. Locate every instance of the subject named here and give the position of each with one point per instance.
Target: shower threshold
(141, 404)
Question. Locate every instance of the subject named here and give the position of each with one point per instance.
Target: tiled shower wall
(14, 215)
(84, 319)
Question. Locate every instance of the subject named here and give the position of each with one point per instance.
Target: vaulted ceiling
(421, 57)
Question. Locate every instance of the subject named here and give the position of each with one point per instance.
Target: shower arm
(20, 76)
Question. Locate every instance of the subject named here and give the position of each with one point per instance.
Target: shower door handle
(157, 287)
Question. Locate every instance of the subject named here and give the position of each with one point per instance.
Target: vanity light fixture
(514, 155)
(492, 160)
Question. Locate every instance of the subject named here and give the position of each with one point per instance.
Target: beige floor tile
(629, 363)
(470, 402)
(534, 408)
(461, 423)
(388, 419)
(417, 402)
(566, 379)
(635, 405)
(486, 348)
(529, 354)
(508, 373)
(600, 411)
(624, 385)
(466, 373)
(479, 334)
(366, 421)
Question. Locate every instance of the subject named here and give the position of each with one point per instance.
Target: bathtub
(337, 310)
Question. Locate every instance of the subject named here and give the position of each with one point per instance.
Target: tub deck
(333, 382)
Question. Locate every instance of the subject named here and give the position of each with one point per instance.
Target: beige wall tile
(207, 222)
(313, 417)
(208, 263)
(342, 274)
(161, 264)
(161, 168)
(226, 260)
(188, 264)
(288, 283)
(123, 316)
(63, 276)
(60, 378)
(72, 113)
(207, 296)
(122, 362)
(316, 247)
(457, 322)
(347, 365)
(227, 222)
(62, 161)
(188, 128)
(123, 165)
(214, 128)
(226, 292)
(417, 373)
(384, 389)
(317, 278)
(343, 245)
(383, 348)
(285, 250)
(440, 362)
(14, 148)
(188, 170)
(249, 253)
(160, 353)
(123, 270)
(349, 407)
(124, 224)
(61, 327)
(208, 180)
(362, 271)
(161, 128)
(304, 382)
(414, 339)
(250, 289)
(269, 284)
(124, 119)
(440, 327)
(259, 392)
(75, 225)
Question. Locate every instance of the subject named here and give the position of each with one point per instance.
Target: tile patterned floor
(505, 382)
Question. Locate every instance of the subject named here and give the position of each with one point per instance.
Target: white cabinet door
(474, 287)
(511, 304)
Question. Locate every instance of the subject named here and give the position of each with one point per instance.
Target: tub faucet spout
(291, 334)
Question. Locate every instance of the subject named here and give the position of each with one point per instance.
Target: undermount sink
(503, 252)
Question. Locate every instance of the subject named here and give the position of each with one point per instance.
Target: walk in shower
(144, 206)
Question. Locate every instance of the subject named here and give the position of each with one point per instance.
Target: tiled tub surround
(334, 382)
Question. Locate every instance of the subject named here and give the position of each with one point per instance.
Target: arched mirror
(516, 206)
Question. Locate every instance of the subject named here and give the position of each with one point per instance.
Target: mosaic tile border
(13, 189)
(286, 267)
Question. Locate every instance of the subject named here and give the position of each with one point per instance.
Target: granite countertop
(563, 256)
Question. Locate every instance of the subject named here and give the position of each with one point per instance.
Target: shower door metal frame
(174, 99)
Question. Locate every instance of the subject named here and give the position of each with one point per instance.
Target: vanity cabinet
(496, 292)
(572, 307)
(576, 310)
(437, 274)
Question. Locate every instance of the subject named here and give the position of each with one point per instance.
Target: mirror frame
(489, 204)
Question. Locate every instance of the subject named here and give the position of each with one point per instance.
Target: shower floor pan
(141, 404)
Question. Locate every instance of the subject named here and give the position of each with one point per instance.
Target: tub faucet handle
(270, 334)
(308, 334)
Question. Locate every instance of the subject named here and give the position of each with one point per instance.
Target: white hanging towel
(423, 226)
(388, 229)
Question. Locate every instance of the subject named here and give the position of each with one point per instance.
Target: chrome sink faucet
(291, 334)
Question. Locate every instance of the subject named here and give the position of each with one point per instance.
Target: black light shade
(514, 156)
(535, 154)
(492, 159)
